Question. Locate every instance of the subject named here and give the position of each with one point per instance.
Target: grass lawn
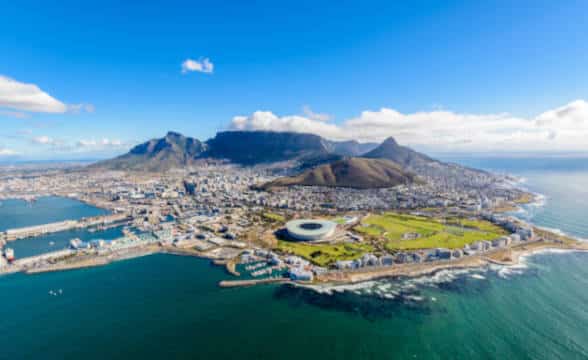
(273, 217)
(324, 254)
(455, 233)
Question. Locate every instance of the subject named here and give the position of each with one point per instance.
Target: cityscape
(293, 180)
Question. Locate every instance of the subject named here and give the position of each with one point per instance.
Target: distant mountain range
(319, 161)
(240, 147)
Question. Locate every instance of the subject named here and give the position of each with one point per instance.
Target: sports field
(324, 254)
(402, 232)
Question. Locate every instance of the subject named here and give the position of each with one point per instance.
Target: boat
(9, 254)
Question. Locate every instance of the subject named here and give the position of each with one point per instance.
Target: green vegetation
(324, 254)
(273, 217)
(427, 232)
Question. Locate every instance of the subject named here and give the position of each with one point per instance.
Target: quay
(39, 230)
(252, 282)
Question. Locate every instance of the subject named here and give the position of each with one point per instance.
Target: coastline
(515, 255)
(549, 240)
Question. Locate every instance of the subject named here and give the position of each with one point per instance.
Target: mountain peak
(390, 141)
(173, 135)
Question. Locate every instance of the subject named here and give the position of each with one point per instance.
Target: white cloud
(203, 66)
(27, 97)
(7, 152)
(44, 140)
(266, 120)
(101, 144)
(561, 129)
(78, 108)
(80, 146)
(307, 111)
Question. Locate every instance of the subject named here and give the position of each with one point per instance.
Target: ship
(9, 254)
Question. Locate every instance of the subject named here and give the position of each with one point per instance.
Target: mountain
(402, 155)
(450, 174)
(172, 151)
(350, 148)
(359, 173)
(254, 147)
(300, 152)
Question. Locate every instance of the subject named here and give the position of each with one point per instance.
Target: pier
(251, 282)
(104, 222)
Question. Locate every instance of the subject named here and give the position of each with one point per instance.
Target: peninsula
(280, 207)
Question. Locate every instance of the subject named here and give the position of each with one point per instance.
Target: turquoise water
(19, 213)
(164, 306)
(60, 240)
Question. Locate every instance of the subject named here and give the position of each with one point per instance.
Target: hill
(402, 155)
(359, 173)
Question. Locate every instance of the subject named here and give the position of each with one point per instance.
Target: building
(310, 230)
(298, 274)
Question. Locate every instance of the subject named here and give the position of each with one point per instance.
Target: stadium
(310, 229)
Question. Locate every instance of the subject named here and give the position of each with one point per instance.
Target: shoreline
(515, 254)
(503, 257)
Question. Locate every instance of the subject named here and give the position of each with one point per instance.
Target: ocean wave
(409, 290)
(540, 200)
(561, 233)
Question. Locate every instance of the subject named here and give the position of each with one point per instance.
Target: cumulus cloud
(266, 120)
(20, 96)
(307, 111)
(561, 129)
(203, 66)
(27, 97)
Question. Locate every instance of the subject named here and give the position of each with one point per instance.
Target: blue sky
(503, 75)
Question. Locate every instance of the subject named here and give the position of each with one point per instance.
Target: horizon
(451, 78)
(442, 155)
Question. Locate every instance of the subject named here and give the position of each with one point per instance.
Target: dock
(251, 282)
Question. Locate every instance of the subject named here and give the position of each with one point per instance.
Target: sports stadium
(310, 229)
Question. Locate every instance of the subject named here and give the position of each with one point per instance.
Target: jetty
(252, 282)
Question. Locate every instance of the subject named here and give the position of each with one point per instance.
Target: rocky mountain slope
(360, 173)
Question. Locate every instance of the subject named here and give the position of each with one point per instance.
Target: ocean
(166, 306)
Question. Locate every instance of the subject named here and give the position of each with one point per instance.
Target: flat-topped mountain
(255, 147)
(360, 173)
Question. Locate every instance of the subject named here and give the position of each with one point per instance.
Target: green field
(433, 233)
(273, 217)
(323, 254)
